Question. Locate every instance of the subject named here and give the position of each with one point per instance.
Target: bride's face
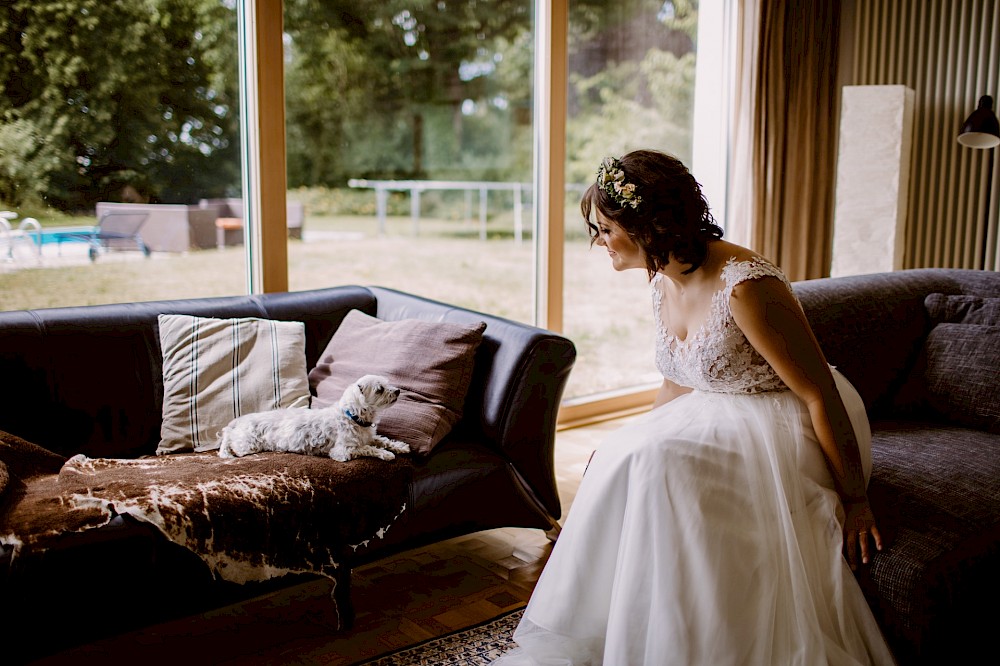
(624, 252)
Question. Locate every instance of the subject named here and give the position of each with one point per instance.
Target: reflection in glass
(631, 85)
(409, 135)
(113, 111)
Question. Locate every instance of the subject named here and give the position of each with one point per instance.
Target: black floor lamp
(982, 131)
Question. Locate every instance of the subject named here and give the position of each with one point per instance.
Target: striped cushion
(217, 369)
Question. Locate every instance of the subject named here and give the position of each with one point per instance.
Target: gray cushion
(956, 377)
(961, 374)
(963, 309)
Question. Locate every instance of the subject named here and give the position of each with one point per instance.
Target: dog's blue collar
(357, 419)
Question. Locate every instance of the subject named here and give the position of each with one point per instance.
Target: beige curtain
(785, 131)
(742, 20)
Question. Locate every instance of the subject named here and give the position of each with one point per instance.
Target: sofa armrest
(519, 377)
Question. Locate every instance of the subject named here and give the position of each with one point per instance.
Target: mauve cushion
(431, 362)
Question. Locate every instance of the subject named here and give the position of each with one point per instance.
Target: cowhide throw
(249, 518)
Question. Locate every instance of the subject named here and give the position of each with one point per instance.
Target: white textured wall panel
(873, 173)
(948, 53)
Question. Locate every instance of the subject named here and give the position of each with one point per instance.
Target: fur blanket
(249, 519)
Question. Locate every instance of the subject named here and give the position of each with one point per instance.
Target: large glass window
(631, 85)
(409, 143)
(409, 135)
(119, 151)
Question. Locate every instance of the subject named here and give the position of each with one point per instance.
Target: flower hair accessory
(611, 179)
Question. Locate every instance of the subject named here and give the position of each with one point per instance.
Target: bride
(722, 526)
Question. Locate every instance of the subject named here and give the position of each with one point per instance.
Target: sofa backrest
(521, 371)
(90, 379)
(872, 327)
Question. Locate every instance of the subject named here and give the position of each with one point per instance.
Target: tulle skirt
(706, 531)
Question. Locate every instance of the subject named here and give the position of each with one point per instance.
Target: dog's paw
(398, 447)
(392, 444)
(339, 456)
(377, 452)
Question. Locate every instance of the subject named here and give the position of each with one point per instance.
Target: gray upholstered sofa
(923, 349)
(86, 383)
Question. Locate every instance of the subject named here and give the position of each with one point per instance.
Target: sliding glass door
(631, 85)
(119, 150)
(409, 143)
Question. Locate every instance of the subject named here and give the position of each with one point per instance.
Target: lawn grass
(606, 314)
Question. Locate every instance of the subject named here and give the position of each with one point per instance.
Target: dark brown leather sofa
(89, 380)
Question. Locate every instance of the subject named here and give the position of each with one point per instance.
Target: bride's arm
(772, 321)
(668, 391)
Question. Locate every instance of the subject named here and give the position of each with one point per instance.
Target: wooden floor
(399, 601)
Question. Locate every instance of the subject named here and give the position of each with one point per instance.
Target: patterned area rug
(474, 646)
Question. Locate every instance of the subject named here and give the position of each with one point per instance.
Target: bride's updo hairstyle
(671, 218)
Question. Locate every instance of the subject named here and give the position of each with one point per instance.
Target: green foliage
(340, 201)
(117, 93)
(100, 98)
(632, 105)
(407, 89)
(632, 70)
(25, 156)
(443, 90)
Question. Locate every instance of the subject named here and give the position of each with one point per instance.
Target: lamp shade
(981, 129)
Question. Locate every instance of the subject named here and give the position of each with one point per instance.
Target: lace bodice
(716, 357)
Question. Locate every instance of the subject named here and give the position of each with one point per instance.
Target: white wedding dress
(706, 531)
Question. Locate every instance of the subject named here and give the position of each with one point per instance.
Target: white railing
(5, 230)
(9, 235)
(416, 187)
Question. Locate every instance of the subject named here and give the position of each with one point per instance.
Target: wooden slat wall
(948, 52)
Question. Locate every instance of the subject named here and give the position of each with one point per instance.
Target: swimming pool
(51, 235)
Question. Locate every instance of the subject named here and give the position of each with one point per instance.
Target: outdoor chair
(114, 231)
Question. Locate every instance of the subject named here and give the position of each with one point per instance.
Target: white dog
(342, 431)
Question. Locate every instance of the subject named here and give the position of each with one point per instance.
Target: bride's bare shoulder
(722, 252)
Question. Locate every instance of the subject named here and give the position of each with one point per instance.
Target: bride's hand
(859, 527)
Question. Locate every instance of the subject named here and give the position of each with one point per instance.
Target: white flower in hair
(611, 179)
